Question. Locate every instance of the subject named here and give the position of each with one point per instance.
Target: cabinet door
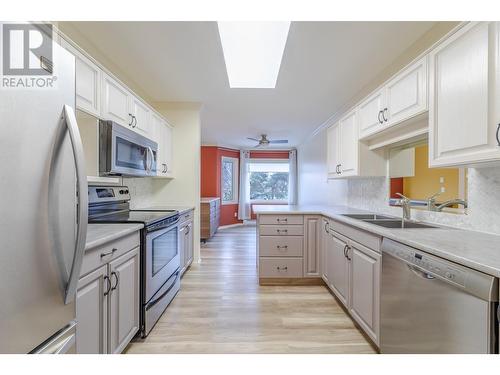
(407, 93)
(124, 300)
(312, 244)
(156, 127)
(338, 268)
(189, 245)
(365, 289)
(182, 247)
(115, 101)
(325, 241)
(88, 82)
(92, 312)
(349, 145)
(464, 104)
(370, 115)
(142, 116)
(333, 150)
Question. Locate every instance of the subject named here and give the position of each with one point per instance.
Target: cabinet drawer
(98, 256)
(279, 246)
(280, 267)
(281, 219)
(186, 216)
(281, 230)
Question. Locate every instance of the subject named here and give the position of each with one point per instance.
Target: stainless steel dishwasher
(431, 305)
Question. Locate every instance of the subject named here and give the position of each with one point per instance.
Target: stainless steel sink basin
(399, 224)
(368, 216)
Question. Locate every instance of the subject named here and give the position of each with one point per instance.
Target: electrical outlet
(235, 214)
(443, 189)
(441, 180)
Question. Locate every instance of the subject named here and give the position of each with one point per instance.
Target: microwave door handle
(152, 158)
(67, 121)
(146, 167)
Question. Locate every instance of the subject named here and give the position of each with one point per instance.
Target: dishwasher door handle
(419, 273)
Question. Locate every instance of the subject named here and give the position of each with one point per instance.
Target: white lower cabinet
(107, 303)
(364, 282)
(312, 244)
(186, 242)
(92, 312)
(352, 272)
(464, 101)
(124, 300)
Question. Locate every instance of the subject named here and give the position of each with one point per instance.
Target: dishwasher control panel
(428, 263)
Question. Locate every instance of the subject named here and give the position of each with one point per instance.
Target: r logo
(27, 49)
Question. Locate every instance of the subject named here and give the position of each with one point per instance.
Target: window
(269, 180)
(229, 180)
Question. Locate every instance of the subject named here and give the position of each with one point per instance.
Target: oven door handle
(166, 229)
(152, 303)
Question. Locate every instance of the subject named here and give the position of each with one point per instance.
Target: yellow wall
(426, 180)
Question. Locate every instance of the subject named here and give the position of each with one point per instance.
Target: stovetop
(134, 216)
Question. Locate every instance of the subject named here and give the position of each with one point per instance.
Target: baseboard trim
(229, 226)
(291, 281)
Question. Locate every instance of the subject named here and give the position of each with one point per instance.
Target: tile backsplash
(483, 199)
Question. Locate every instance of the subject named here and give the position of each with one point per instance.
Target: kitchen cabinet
(209, 217)
(124, 300)
(337, 266)
(325, 242)
(116, 102)
(312, 245)
(107, 298)
(352, 272)
(88, 81)
(402, 98)
(370, 113)
(347, 157)
(141, 116)
(92, 312)
(163, 136)
(186, 242)
(364, 285)
(464, 101)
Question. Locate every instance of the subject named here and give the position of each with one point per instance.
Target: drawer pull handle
(282, 247)
(109, 253)
(282, 268)
(282, 230)
(280, 220)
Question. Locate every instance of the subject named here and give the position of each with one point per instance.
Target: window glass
(227, 180)
(269, 181)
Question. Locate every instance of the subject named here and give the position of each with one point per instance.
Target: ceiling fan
(264, 142)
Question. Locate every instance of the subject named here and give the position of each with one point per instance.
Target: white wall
(184, 189)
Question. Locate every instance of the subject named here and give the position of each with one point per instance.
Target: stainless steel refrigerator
(43, 219)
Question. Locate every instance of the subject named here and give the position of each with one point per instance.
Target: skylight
(253, 52)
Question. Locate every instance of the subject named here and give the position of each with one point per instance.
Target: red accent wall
(211, 159)
(396, 186)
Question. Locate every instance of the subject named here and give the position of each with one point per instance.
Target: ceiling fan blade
(279, 141)
(253, 139)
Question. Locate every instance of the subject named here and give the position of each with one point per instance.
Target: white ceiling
(324, 65)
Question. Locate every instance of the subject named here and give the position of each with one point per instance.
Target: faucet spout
(406, 205)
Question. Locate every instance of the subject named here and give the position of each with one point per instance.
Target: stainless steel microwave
(123, 152)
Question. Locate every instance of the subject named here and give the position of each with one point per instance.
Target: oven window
(130, 155)
(164, 249)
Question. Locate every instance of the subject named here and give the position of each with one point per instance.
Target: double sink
(388, 221)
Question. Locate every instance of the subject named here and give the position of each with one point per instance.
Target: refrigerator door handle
(68, 121)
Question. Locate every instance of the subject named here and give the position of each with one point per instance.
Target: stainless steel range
(160, 259)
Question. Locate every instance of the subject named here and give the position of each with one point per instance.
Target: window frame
(236, 171)
(268, 161)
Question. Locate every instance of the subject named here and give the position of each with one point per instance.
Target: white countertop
(99, 234)
(477, 250)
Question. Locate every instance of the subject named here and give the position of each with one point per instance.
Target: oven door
(162, 259)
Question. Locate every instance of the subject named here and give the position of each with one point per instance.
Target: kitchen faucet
(431, 201)
(405, 204)
(451, 202)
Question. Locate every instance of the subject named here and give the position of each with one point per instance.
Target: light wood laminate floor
(222, 309)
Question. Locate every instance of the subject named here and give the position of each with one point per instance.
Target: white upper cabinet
(402, 98)
(163, 136)
(464, 105)
(141, 116)
(88, 82)
(116, 102)
(406, 93)
(370, 113)
(347, 157)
